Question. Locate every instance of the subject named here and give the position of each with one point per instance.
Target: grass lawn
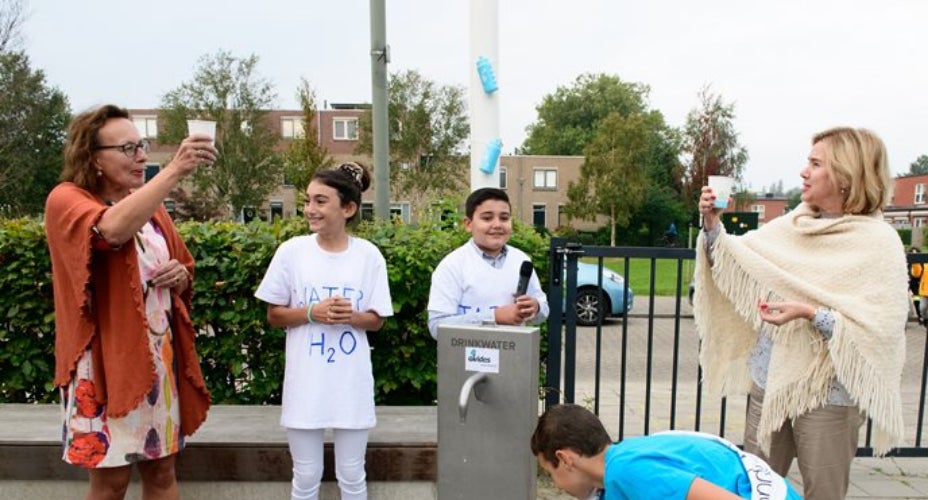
(665, 282)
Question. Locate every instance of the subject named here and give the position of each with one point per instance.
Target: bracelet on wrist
(309, 314)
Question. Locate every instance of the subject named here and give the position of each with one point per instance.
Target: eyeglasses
(130, 148)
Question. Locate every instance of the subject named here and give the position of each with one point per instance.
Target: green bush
(27, 320)
(241, 356)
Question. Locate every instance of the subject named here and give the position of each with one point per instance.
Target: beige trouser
(824, 442)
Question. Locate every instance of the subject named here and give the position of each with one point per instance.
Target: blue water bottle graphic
(487, 78)
(491, 156)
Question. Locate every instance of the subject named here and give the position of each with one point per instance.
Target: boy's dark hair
(569, 426)
(350, 180)
(481, 195)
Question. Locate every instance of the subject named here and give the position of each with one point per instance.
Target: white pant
(306, 451)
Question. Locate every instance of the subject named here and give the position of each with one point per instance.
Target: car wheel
(590, 310)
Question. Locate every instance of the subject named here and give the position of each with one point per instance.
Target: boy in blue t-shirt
(576, 451)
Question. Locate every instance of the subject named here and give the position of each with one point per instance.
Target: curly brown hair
(82, 139)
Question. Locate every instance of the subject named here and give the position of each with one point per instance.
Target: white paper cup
(207, 127)
(721, 186)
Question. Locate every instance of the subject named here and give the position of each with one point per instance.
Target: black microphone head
(525, 274)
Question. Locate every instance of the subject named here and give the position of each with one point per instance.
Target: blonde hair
(859, 167)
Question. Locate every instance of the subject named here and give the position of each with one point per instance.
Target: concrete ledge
(232, 490)
(237, 443)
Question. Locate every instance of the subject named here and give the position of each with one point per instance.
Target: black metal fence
(640, 371)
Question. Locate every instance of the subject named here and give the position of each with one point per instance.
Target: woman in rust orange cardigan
(125, 362)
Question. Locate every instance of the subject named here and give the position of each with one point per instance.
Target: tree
(12, 17)
(428, 127)
(305, 155)
(612, 181)
(663, 203)
(33, 122)
(568, 119)
(229, 90)
(742, 199)
(793, 198)
(710, 145)
(196, 208)
(919, 166)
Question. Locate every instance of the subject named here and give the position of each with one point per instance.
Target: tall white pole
(484, 99)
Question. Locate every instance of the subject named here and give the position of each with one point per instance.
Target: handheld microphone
(525, 273)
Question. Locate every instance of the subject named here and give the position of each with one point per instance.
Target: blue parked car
(589, 309)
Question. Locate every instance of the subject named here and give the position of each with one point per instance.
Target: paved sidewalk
(886, 478)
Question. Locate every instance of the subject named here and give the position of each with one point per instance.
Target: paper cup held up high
(721, 187)
(207, 127)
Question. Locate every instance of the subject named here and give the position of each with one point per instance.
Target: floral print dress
(151, 430)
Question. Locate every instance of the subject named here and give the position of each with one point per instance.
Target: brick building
(537, 185)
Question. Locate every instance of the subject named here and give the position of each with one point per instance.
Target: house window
(277, 210)
(147, 125)
(502, 177)
(400, 210)
(346, 129)
(561, 215)
(367, 210)
(760, 209)
(538, 214)
(545, 178)
(291, 127)
(919, 194)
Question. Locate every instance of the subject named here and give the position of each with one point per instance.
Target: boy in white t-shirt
(478, 280)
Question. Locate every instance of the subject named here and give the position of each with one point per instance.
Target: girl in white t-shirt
(328, 289)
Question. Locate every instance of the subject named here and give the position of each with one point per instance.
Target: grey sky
(792, 67)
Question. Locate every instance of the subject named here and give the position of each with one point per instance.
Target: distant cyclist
(670, 236)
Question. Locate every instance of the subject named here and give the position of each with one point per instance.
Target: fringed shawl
(98, 305)
(854, 265)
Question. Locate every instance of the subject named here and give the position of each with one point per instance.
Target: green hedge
(242, 357)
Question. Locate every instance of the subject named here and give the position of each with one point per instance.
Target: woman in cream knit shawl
(815, 302)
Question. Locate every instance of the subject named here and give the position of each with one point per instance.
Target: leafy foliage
(710, 145)
(743, 199)
(612, 182)
(228, 90)
(568, 120)
(593, 117)
(12, 17)
(428, 126)
(27, 342)
(919, 166)
(33, 123)
(305, 155)
(241, 356)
